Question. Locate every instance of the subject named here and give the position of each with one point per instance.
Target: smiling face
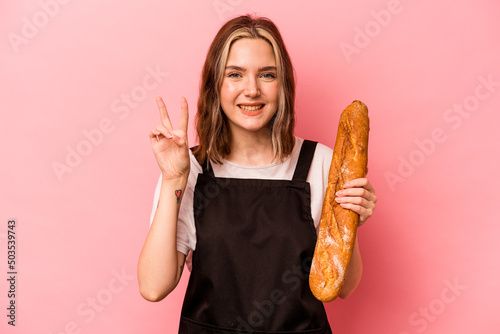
(249, 91)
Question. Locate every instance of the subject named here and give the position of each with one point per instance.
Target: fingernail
(338, 193)
(169, 135)
(346, 184)
(337, 199)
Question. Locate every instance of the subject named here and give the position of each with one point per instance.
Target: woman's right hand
(170, 146)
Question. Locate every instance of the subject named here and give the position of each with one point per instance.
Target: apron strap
(305, 158)
(301, 170)
(207, 168)
(205, 165)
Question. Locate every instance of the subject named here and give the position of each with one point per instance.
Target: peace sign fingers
(170, 146)
(184, 117)
(165, 120)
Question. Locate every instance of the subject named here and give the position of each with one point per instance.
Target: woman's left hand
(358, 195)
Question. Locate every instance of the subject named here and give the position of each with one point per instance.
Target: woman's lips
(251, 109)
(248, 107)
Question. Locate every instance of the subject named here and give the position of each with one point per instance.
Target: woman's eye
(233, 75)
(269, 75)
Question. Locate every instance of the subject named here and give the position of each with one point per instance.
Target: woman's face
(249, 92)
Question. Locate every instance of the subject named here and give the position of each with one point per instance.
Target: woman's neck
(251, 148)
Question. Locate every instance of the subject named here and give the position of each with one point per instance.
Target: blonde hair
(211, 124)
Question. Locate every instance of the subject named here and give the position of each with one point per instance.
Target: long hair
(212, 125)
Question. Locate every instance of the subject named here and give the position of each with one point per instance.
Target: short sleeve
(156, 199)
(318, 179)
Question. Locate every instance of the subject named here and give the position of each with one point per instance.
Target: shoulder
(322, 153)
(320, 165)
(322, 159)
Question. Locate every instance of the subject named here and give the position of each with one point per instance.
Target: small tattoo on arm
(178, 193)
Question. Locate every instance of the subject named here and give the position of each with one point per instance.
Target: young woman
(247, 200)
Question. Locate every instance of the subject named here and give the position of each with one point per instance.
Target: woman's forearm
(354, 273)
(160, 264)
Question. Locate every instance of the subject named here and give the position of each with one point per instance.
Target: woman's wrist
(174, 187)
(178, 181)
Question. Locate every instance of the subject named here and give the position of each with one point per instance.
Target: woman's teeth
(251, 108)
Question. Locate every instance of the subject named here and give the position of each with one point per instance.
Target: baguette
(338, 226)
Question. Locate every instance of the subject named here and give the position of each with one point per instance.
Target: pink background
(431, 249)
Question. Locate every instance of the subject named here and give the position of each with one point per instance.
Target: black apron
(254, 247)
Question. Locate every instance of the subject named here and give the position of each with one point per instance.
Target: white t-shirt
(317, 178)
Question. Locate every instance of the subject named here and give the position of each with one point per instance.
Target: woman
(247, 200)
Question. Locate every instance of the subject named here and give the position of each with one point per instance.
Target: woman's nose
(252, 87)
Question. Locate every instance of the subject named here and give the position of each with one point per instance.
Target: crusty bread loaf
(338, 226)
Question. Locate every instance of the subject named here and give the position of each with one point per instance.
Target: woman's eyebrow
(241, 69)
(234, 67)
(267, 68)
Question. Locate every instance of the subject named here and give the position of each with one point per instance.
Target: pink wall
(81, 76)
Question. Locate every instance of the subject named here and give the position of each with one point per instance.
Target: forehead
(251, 51)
